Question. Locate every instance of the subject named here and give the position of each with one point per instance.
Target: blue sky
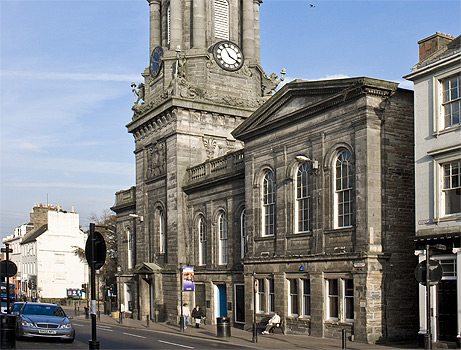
(66, 69)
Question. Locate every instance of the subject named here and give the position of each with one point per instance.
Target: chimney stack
(433, 44)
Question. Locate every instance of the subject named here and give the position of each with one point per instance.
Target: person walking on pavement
(186, 314)
(198, 314)
(273, 322)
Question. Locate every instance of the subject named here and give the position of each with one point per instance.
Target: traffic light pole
(93, 343)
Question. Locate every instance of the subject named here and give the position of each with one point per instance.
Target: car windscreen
(45, 310)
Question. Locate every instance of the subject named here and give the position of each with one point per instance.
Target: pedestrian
(273, 322)
(198, 314)
(185, 314)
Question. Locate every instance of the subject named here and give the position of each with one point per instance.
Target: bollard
(87, 313)
(147, 321)
(343, 339)
(7, 331)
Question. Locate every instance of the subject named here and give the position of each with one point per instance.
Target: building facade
(49, 265)
(15, 244)
(437, 79)
(300, 202)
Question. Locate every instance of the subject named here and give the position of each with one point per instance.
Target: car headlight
(66, 326)
(27, 324)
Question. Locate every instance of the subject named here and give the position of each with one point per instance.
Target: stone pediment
(146, 268)
(300, 99)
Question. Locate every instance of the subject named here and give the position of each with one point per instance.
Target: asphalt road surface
(114, 337)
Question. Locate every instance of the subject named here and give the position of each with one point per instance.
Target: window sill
(447, 130)
(339, 323)
(300, 234)
(265, 238)
(341, 230)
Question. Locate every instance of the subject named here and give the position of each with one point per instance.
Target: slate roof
(32, 235)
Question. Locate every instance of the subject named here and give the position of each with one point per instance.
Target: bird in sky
(312, 5)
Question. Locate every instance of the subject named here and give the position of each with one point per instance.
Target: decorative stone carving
(269, 84)
(138, 94)
(155, 159)
(210, 146)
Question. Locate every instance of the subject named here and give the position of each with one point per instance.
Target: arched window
(243, 235)
(303, 199)
(222, 231)
(343, 189)
(161, 231)
(129, 239)
(201, 240)
(268, 204)
(221, 19)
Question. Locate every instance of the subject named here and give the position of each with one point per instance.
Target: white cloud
(26, 146)
(334, 76)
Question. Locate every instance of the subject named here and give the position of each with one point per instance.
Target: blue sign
(74, 293)
(188, 278)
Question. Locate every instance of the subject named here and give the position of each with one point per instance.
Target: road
(114, 337)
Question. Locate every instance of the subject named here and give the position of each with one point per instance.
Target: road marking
(184, 346)
(135, 335)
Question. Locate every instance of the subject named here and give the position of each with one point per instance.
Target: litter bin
(7, 331)
(223, 327)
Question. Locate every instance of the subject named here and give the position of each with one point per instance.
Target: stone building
(308, 192)
(437, 81)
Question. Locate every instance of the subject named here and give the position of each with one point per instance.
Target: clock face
(228, 55)
(156, 61)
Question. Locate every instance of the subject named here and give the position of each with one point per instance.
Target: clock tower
(204, 78)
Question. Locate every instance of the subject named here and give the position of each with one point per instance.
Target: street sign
(435, 272)
(99, 250)
(12, 268)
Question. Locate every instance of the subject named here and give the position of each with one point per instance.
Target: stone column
(248, 31)
(175, 24)
(198, 30)
(257, 32)
(155, 24)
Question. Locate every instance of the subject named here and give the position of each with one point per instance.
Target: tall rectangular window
(343, 190)
(306, 297)
(303, 199)
(271, 295)
(261, 296)
(293, 297)
(268, 204)
(451, 100)
(333, 299)
(202, 241)
(222, 227)
(451, 193)
(349, 300)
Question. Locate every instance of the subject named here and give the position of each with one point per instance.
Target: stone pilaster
(155, 24)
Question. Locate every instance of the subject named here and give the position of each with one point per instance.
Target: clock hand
(232, 54)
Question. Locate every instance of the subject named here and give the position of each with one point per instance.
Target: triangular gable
(300, 98)
(146, 268)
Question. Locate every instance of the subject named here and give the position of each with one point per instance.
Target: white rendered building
(437, 86)
(49, 265)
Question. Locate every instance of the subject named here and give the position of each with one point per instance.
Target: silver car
(43, 320)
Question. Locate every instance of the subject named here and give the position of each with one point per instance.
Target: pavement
(240, 337)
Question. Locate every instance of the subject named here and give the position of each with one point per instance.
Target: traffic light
(84, 288)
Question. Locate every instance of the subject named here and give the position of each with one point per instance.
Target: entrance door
(446, 308)
(239, 303)
(200, 296)
(220, 300)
